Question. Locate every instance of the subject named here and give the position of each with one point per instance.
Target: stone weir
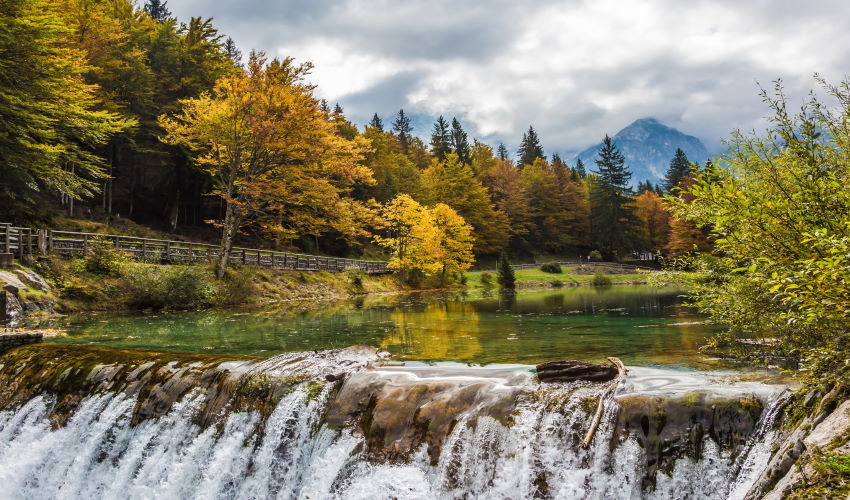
(348, 423)
(12, 338)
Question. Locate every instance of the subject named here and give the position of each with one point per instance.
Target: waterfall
(83, 423)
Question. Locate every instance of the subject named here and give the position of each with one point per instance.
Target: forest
(114, 110)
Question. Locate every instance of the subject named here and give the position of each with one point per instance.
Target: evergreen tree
(530, 148)
(402, 129)
(337, 110)
(157, 10)
(644, 186)
(460, 142)
(506, 277)
(377, 123)
(580, 170)
(612, 209)
(441, 139)
(323, 106)
(502, 151)
(233, 52)
(680, 167)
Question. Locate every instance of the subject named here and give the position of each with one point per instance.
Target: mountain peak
(648, 146)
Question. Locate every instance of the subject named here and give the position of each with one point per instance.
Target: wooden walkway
(20, 241)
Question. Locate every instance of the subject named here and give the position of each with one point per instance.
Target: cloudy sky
(574, 69)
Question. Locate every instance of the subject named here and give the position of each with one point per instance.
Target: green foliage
(236, 287)
(530, 148)
(612, 208)
(355, 277)
(775, 205)
(486, 279)
(595, 256)
(551, 267)
(601, 280)
(152, 286)
(103, 258)
(679, 169)
(441, 139)
(506, 277)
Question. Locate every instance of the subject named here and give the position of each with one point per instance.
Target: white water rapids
(292, 453)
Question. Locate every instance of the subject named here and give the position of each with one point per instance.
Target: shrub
(76, 289)
(557, 283)
(486, 279)
(237, 286)
(601, 280)
(355, 277)
(596, 256)
(551, 267)
(167, 287)
(103, 258)
(506, 278)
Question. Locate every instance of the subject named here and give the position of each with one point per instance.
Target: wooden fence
(584, 263)
(21, 241)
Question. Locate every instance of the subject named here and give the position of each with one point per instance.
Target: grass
(531, 278)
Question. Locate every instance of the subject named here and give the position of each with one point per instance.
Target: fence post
(7, 239)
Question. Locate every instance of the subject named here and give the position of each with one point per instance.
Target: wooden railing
(576, 263)
(21, 241)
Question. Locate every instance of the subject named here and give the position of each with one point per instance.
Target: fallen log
(600, 406)
(571, 371)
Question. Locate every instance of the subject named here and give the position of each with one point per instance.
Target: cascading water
(81, 422)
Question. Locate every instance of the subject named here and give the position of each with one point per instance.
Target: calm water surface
(640, 324)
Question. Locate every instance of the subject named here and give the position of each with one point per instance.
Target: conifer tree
(377, 123)
(440, 139)
(460, 142)
(233, 52)
(680, 167)
(612, 209)
(502, 152)
(580, 170)
(402, 129)
(506, 277)
(157, 9)
(530, 148)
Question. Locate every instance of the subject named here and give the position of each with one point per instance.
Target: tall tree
(530, 148)
(580, 170)
(269, 148)
(233, 52)
(612, 208)
(441, 139)
(502, 152)
(460, 142)
(402, 129)
(157, 9)
(654, 221)
(377, 123)
(49, 126)
(679, 168)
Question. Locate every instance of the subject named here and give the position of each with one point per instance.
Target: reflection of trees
(438, 331)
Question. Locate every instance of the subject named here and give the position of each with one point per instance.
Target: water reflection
(641, 324)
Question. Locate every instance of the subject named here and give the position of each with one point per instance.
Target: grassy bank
(535, 278)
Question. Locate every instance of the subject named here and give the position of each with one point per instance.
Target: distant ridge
(648, 146)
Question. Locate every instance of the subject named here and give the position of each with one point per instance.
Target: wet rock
(571, 371)
(11, 311)
(835, 425)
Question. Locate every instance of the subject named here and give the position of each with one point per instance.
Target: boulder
(10, 282)
(32, 279)
(11, 311)
(835, 425)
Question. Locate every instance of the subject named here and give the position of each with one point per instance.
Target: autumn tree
(453, 183)
(269, 149)
(504, 184)
(49, 122)
(441, 139)
(654, 220)
(530, 148)
(456, 241)
(612, 208)
(393, 171)
(686, 236)
(557, 210)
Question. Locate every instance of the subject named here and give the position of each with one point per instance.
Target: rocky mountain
(648, 146)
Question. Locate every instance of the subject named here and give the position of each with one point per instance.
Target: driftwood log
(571, 371)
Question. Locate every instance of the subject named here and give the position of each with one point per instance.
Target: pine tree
(612, 209)
(157, 10)
(402, 129)
(337, 110)
(233, 52)
(680, 167)
(460, 142)
(440, 139)
(580, 170)
(377, 123)
(530, 148)
(506, 277)
(502, 151)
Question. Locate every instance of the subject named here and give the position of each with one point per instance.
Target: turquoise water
(642, 325)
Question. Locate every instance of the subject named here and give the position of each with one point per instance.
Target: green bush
(596, 256)
(557, 283)
(601, 280)
(506, 278)
(355, 277)
(167, 287)
(486, 279)
(103, 258)
(236, 287)
(551, 267)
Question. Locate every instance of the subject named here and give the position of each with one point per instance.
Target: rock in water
(11, 311)
(570, 371)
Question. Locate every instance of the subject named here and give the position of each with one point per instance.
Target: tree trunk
(231, 224)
